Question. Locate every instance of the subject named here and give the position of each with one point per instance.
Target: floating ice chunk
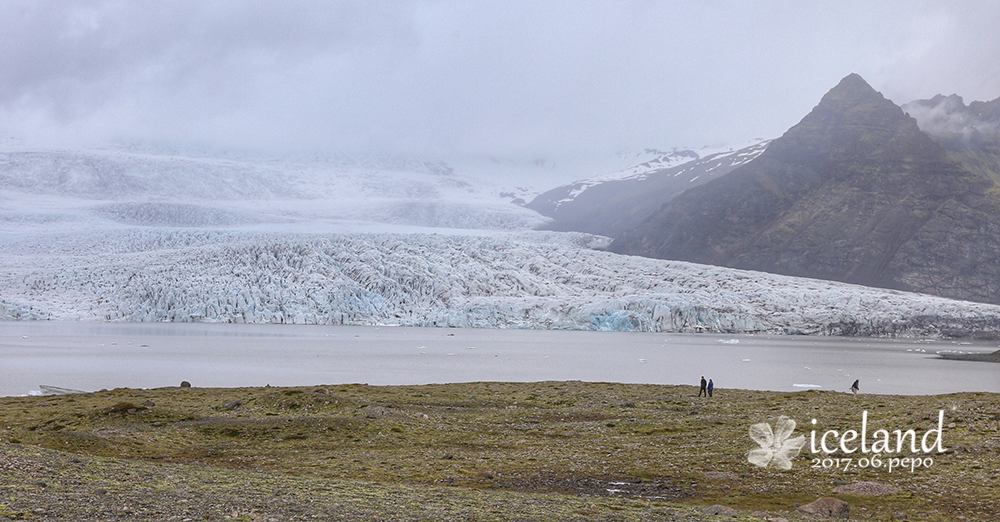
(807, 386)
(730, 341)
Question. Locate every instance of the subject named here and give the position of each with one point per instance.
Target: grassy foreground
(477, 451)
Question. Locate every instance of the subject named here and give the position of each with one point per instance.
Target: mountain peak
(852, 90)
(853, 81)
(851, 118)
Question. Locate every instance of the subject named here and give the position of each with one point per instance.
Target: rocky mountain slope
(855, 192)
(608, 205)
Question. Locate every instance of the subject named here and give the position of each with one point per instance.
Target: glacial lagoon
(93, 356)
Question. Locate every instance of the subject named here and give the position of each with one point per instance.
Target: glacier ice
(499, 280)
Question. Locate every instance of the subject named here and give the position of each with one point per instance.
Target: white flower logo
(776, 448)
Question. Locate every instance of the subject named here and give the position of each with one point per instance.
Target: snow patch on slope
(668, 160)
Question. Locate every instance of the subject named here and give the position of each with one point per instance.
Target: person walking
(704, 387)
(855, 388)
(711, 386)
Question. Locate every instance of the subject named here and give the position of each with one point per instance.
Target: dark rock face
(855, 192)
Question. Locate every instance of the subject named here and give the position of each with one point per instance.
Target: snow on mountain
(611, 204)
(652, 161)
(499, 280)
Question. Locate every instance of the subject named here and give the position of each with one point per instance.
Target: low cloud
(559, 81)
(949, 117)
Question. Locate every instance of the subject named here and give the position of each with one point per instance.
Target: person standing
(711, 386)
(855, 387)
(704, 387)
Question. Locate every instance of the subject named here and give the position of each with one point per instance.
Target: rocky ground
(479, 451)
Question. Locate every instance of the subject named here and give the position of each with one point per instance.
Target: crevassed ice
(517, 280)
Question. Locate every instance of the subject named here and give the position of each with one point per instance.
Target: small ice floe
(54, 390)
(642, 361)
(746, 360)
(470, 347)
(806, 367)
(730, 341)
(806, 386)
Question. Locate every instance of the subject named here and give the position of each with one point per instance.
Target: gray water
(94, 356)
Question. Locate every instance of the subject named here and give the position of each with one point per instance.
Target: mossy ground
(604, 447)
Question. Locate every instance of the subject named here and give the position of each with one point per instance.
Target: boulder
(826, 507)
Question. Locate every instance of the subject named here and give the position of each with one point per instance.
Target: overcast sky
(512, 79)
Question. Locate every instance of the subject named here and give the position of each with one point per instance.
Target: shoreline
(55, 391)
(976, 357)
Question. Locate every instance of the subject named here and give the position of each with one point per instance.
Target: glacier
(522, 279)
(133, 235)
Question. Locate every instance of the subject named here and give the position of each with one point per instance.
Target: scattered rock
(721, 475)
(721, 510)
(827, 507)
(866, 488)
